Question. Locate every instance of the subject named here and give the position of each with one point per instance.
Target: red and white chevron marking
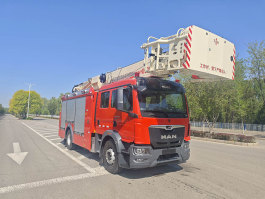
(234, 59)
(187, 50)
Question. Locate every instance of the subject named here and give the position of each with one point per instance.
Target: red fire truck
(132, 116)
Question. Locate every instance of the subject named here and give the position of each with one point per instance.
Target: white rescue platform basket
(193, 51)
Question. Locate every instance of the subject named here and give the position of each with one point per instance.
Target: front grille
(162, 136)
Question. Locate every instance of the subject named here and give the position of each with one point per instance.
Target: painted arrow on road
(17, 156)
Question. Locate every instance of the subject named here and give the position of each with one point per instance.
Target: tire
(69, 140)
(110, 157)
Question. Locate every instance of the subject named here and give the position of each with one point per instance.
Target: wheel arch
(115, 137)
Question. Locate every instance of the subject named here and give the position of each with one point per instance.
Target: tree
(52, 105)
(256, 67)
(2, 110)
(19, 103)
(223, 101)
(59, 103)
(257, 74)
(205, 101)
(6, 110)
(44, 109)
(35, 103)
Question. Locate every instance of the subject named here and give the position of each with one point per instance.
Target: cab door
(122, 121)
(103, 116)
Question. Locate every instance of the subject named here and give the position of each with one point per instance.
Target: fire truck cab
(133, 123)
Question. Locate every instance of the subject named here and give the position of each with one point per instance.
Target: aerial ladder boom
(193, 52)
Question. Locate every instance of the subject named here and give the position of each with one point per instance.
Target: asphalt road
(49, 170)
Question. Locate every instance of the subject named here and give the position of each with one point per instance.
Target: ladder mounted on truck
(193, 52)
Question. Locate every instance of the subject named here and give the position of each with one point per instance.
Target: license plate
(168, 151)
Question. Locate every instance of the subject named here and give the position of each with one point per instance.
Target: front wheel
(110, 157)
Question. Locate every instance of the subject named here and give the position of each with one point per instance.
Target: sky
(55, 44)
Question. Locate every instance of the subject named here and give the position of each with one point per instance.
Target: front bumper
(155, 156)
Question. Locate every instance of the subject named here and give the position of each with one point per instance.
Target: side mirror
(133, 115)
(120, 98)
(120, 103)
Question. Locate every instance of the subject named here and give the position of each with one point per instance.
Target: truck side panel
(63, 114)
(62, 120)
(89, 120)
(70, 110)
(78, 114)
(80, 105)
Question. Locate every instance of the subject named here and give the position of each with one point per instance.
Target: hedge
(224, 136)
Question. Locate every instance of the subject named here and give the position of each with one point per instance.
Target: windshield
(163, 104)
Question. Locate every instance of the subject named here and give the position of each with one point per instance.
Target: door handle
(98, 122)
(114, 123)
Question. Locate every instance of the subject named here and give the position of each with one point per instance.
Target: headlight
(140, 151)
(186, 145)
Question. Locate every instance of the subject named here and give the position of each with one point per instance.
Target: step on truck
(134, 117)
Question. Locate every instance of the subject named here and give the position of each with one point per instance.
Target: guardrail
(239, 126)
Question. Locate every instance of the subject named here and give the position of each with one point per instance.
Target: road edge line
(85, 166)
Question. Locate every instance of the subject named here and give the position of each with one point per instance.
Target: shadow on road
(84, 152)
(150, 172)
(134, 173)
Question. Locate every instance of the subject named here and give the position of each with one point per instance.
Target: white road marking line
(47, 136)
(59, 143)
(53, 126)
(48, 130)
(56, 139)
(43, 131)
(40, 125)
(81, 157)
(49, 125)
(85, 166)
(36, 184)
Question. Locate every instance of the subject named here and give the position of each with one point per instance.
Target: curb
(225, 141)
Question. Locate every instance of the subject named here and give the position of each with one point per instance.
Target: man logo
(165, 137)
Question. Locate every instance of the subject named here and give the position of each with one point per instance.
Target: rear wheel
(110, 157)
(69, 141)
